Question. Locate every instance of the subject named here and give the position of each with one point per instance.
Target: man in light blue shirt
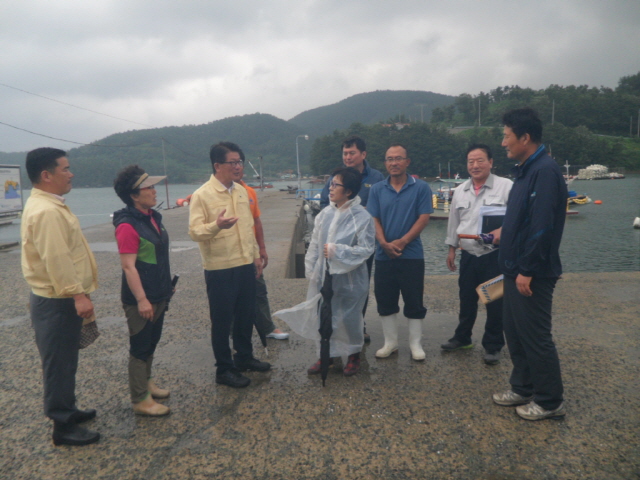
(400, 207)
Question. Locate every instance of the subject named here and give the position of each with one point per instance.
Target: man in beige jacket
(220, 220)
(61, 271)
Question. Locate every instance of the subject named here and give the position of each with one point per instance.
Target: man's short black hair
(354, 141)
(123, 184)
(41, 159)
(524, 120)
(406, 150)
(351, 179)
(479, 146)
(218, 152)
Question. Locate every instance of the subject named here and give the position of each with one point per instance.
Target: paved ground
(395, 419)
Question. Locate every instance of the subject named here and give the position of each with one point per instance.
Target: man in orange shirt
(264, 323)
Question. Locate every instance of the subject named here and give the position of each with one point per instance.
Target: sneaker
(510, 399)
(492, 358)
(353, 365)
(454, 344)
(315, 368)
(278, 335)
(533, 411)
(254, 365)
(232, 378)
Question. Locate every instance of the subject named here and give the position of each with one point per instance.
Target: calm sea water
(599, 239)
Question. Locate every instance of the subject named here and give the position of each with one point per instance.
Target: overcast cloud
(183, 62)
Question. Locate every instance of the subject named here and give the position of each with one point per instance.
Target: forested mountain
(576, 120)
(186, 149)
(578, 113)
(369, 108)
(602, 110)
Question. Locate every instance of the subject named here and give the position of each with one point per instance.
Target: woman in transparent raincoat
(343, 238)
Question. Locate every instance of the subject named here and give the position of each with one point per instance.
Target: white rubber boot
(390, 330)
(415, 337)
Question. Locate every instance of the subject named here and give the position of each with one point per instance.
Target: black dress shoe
(254, 365)
(72, 434)
(83, 415)
(232, 379)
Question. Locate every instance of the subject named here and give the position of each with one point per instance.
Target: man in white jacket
(479, 262)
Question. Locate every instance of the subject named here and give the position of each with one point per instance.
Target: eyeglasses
(479, 162)
(152, 187)
(334, 185)
(237, 163)
(394, 159)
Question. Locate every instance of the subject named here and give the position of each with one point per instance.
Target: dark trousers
(144, 334)
(474, 271)
(527, 327)
(57, 327)
(396, 276)
(232, 300)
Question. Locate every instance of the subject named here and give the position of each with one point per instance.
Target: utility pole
(166, 180)
(261, 177)
(422, 113)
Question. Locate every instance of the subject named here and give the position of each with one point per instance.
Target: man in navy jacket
(530, 262)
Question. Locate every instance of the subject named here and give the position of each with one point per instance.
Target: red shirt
(127, 237)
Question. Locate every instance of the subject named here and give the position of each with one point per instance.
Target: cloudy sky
(180, 62)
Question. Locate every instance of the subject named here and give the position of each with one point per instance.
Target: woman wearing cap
(143, 244)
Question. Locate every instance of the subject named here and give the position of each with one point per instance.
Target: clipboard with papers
(491, 218)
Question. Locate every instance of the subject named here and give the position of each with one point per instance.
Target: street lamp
(306, 137)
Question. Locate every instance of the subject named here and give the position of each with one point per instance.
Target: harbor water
(600, 238)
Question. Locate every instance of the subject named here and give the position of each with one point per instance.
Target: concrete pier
(396, 419)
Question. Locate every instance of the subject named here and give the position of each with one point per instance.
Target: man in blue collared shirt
(529, 259)
(400, 207)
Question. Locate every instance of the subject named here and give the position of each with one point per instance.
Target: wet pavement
(395, 419)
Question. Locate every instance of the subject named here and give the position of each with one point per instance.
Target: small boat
(575, 199)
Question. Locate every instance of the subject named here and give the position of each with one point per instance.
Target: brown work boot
(157, 392)
(150, 408)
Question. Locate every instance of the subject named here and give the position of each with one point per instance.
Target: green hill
(370, 108)
(186, 149)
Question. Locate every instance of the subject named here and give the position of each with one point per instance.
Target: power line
(75, 106)
(64, 140)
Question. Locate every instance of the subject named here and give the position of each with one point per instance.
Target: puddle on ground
(112, 247)
(13, 321)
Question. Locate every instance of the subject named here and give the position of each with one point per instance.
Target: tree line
(582, 126)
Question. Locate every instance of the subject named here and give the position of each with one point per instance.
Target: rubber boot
(150, 408)
(138, 379)
(415, 337)
(156, 392)
(390, 330)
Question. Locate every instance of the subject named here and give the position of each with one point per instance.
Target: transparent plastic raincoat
(349, 233)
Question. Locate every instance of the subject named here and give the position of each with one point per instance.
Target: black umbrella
(326, 329)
